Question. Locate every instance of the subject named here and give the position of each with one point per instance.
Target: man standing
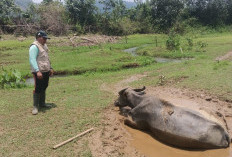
(40, 68)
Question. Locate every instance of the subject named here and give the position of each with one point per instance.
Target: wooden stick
(62, 143)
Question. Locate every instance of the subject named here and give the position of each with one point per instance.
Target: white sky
(38, 1)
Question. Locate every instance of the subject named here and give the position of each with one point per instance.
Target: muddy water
(150, 147)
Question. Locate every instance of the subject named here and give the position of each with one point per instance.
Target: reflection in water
(150, 147)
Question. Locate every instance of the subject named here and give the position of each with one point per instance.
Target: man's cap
(42, 34)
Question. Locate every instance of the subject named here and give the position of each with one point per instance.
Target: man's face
(42, 40)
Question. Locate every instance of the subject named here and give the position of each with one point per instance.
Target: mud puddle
(150, 147)
(115, 139)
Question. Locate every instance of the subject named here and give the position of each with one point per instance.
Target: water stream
(133, 50)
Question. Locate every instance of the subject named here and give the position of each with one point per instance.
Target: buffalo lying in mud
(171, 124)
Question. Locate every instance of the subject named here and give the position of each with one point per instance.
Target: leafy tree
(47, 1)
(114, 11)
(108, 6)
(142, 15)
(33, 13)
(81, 11)
(209, 12)
(8, 11)
(127, 27)
(165, 12)
(119, 10)
(229, 10)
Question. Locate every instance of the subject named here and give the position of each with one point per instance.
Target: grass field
(78, 100)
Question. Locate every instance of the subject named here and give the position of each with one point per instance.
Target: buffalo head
(128, 96)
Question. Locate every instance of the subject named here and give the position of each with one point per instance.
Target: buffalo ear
(122, 91)
(140, 89)
(125, 94)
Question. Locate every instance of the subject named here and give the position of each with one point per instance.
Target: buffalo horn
(123, 90)
(140, 90)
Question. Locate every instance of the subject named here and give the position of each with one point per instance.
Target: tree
(81, 11)
(114, 11)
(52, 17)
(165, 12)
(209, 12)
(142, 15)
(8, 11)
(229, 10)
(47, 1)
(127, 27)
(119, 10)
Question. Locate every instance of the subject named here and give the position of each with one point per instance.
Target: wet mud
(150, 147)
(115, 139)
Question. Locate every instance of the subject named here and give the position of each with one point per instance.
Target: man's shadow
(50, 106)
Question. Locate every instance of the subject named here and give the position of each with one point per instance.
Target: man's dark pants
(41, 84)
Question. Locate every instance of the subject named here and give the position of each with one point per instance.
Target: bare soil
(115, 139)
(227, 56)
(84, 40)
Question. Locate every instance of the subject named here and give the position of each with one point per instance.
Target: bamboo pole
(62, 143)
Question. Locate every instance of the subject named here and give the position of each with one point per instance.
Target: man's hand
(39, 75)
(51, 72)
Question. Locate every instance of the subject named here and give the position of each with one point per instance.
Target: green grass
(80, 100)
(66, 59)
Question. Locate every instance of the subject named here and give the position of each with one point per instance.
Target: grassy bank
(79, 100)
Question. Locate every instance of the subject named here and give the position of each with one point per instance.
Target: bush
(190, 43)
(11, 79)
(200, 46)
(173, 42)
(78, 29)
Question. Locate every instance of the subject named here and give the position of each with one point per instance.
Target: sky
(38, 1)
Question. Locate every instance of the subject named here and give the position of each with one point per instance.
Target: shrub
(190, 43)
(79, 29)
(173, 42)
(201, 46)
(11, 79)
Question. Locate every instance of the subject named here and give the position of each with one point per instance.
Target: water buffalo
(171, 124)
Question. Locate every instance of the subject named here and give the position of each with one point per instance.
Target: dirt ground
(84, 40)
(115, 139)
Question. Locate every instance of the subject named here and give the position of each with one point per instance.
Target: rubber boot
(42, 100)
(35, 103)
